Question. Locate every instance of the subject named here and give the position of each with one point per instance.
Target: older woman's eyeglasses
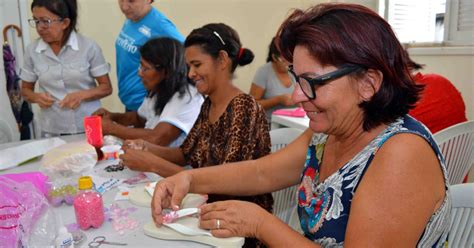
(145, 69)
(308, 84)
(43, 22)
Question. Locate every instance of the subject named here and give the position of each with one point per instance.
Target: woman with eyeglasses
(272, 84)
(231, 125)
(366, 170)
(172, 104)
(143, 21)
(69, 68)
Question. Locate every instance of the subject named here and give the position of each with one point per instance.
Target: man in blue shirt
(143, 22)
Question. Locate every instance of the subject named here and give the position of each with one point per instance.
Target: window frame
(451, 36)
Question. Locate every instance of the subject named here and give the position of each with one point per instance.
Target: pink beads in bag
(88, 205)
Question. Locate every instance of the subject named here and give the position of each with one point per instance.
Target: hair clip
(220, 38)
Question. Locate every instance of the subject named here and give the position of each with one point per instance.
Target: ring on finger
(218, 224)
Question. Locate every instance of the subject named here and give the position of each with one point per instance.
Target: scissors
(99, 240)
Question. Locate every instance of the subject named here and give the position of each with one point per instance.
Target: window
(431, 21)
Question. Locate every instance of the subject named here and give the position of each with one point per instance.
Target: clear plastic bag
(26, 219)
(64, 165)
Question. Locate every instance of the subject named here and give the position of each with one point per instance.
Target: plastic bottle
(88, 205)
(64, 239)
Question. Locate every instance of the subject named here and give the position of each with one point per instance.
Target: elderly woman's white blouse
(73, 69)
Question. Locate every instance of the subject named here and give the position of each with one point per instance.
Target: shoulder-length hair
(166, 54)
(336, 34)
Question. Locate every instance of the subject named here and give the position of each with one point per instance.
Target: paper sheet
(14, 156)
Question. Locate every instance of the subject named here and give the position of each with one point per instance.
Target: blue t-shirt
(127, 47)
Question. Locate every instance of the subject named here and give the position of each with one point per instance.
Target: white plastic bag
(69, 159)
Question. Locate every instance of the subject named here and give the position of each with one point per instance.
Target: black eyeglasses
(307, 84)
(145, 69)
(44, 22)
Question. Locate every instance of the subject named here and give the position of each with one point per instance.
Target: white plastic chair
(284, 206)
(457, 146)
(6, 133)
(462, 215)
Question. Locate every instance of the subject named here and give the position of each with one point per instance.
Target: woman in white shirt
(69, 68)
(172, 104)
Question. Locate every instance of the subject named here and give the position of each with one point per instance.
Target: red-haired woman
(366, 169)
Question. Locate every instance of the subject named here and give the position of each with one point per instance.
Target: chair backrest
(281, 137)
(285, 200)
(462, 215)
(457, 146)
(6, 133)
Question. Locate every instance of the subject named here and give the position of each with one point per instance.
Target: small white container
(111, 152)
(64, 239)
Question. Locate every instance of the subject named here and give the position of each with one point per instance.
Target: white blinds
(460, 22)
(413, 21)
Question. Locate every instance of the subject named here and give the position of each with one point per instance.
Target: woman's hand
(286, 100)
(169, 193)
(137, 144)
(107, 126)
(104, 113)
(44, 100)
(232, 218)
(137, 160)
(72, 100)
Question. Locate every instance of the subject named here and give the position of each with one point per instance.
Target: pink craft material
(298, 112)
(121, 221)
(21, 206)
(89, 209)
(170, 217)
(38, 179)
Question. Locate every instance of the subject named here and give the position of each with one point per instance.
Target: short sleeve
(261, 77)
(98, 65)
(27, 71)
(182, 112)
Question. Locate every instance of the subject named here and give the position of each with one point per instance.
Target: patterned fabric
(240, 133)
(324, 207)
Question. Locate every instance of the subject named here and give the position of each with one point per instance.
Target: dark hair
(63, 9)
(166, 54)
(336, 34)
(215, 37)
(272, 50)
(412, 65)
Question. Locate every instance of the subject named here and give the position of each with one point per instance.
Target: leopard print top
(240, 133)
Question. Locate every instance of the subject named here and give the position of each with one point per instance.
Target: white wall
(456, 64)
(8, 17)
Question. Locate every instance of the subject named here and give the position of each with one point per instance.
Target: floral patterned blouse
(241, 133)
(324, 207)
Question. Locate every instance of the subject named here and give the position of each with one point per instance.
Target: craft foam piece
(14, 156)
(139, 196)
(190, 232)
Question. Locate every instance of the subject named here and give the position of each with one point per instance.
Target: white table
(135, 238)
(279, 121)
